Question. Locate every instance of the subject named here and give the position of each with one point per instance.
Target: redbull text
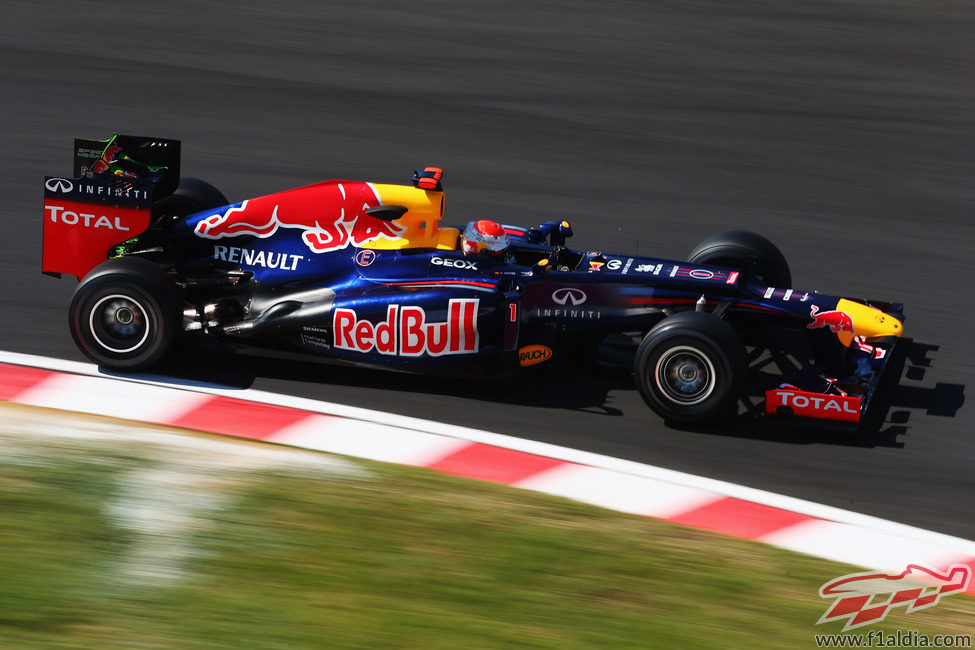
(405, 331)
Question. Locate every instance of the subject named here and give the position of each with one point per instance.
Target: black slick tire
(125, 314)
(749, 251)
(690, 368)
(192, 195)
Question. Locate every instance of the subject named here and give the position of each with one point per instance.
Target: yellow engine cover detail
(422, 218)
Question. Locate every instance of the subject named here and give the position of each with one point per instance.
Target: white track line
(602, 480)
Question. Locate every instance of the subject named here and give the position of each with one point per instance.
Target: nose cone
(870, 322)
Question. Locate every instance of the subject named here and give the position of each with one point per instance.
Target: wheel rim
(685, 375)
(119, 323)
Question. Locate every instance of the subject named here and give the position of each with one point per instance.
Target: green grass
(374, 557)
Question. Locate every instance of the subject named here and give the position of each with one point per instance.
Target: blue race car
(364, 273)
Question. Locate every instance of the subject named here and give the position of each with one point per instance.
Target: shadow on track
(548, 388)
(587, 390)
(885, 422)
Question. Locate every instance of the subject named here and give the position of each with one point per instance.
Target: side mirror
(559, 234)
(543, 265)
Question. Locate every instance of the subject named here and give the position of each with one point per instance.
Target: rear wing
(107, 200)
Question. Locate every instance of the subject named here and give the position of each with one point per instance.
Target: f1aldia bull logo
(331, 214)
(866, 598)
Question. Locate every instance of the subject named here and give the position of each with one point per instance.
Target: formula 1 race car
(363, 273)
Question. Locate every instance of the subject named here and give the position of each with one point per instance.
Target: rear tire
(193, 195)
(125, 314)
(749, 251)
(690, 368)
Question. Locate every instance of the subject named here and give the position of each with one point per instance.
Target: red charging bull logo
(835, 320)
(866, 598)
(331, 214)
(406, 332)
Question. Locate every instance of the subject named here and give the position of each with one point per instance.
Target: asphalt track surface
(843, 131)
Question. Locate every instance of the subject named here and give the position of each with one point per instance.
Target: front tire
(125, 314)
(690, 368)
(746, 250)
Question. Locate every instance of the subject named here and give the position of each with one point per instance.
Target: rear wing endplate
(108, 199)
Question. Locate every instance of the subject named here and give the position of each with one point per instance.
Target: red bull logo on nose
(330, 214)
(836, 320)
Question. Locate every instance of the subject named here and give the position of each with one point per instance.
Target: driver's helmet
(485, 237)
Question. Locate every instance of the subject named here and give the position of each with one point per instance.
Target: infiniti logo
(571, 296)
(62, 185)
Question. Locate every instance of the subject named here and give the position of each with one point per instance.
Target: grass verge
(113, 538)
